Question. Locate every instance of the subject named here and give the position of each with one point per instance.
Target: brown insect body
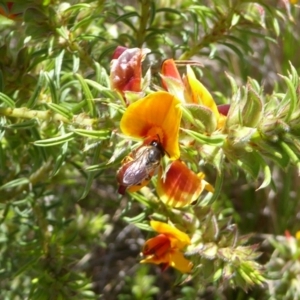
(141, 166)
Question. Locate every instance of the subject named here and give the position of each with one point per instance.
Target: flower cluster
(160, 119)
(156, 119)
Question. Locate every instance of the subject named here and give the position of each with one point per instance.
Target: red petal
(119, 50)
(181, 186)
(158, 246)
(223, 109)
(169, 69)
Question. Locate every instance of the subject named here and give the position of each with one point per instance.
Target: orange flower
(165, 248)
(190, 89)
(126, 69)
(181, 186)
(156, 115)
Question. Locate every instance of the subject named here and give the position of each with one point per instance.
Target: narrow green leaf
(292, 155)
(294, 75)
(95, 134)
(276, 26)
(14, 183)
(60, 159)
(55, 141)
(88, 96)
(57, 68)
(267, 173)
(292, 99)
(7, 100)
(91, 175)
(247, 48)
(124, 17)
(253, 109)
(27, 265)
(63, 32)
(218, 187)
(52, 87)
(83, 23)
(1, 82)
(76, 63)
(34, 97)
(152, 12)
(171, 11)
(142, 226)
(61, 110)
(235, 19)
(233, 84)
(74, 7)
(101, 75)
(136, 219)
(215, 140)
(3, 158)
(250, 161)
(5, 210)
(23, 125)
(96, 85)
(236, 50)
(273, 151)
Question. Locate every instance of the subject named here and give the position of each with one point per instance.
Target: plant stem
(46, 115)
(144, 17)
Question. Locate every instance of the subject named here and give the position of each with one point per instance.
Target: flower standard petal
(181, 186)
(178, 238)
(158, 114)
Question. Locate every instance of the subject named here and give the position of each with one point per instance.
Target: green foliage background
(65, 233)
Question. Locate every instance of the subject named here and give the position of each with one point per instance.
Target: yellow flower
(190, 89)
(157, 115)
(165, 248)
(181, 186)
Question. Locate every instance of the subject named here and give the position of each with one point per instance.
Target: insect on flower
(140, 167)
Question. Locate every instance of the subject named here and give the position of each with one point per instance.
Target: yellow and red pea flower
(189, 89)
(166, 248)
(153, 118)
(126, 69)
(181, 186)
(156, 115)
